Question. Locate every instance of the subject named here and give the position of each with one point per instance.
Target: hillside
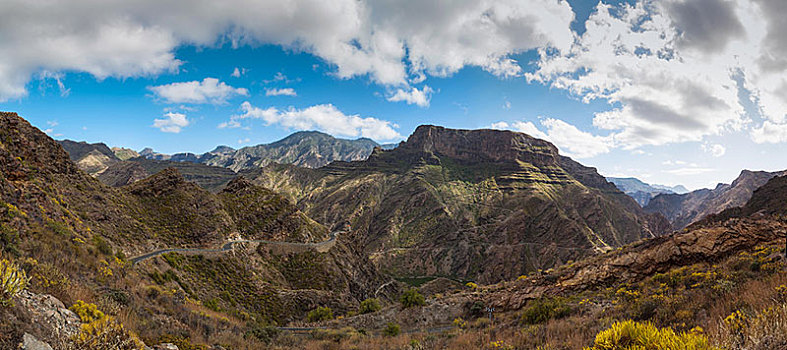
(127, 172)
(641, 191)
(684, 209)
(309, 149)
(719, 285)
(73, 236)
(467, 204)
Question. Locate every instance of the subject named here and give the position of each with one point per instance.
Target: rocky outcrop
(36, 322)
(684, 209)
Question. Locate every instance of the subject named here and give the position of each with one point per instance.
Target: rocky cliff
(684, 209)
(471, 204)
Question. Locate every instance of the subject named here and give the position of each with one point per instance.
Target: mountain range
(643, 192)
(192, 253)
(684, 209)
(311, 149)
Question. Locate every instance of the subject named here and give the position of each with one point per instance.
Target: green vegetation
(542, 310)
(12, 281)
(320, 314)
(391, 329)
(412, 298)
(370, 305)
(631, 335)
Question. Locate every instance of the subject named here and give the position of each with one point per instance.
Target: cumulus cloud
(770, 133)
(380, 38)
(674, 69)
(715, 149)
(280, 92)
(568, 138)
(209, 90)
(325, 117)
(172, 122)
(412, 96)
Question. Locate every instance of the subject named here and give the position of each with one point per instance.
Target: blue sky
(600, 80)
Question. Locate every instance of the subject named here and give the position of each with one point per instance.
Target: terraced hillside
(464, 204)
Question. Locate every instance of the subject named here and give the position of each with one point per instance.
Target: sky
(672, 91)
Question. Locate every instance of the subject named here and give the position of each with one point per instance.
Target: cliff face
(473, 204)
(684, 209)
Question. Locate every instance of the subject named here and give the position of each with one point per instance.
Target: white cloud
(414, 96)
(715, 149)
(238, 72)
(325, 117)
(209, 90)
(280, 92)
(770, 133)
(380, 38)
(507, 105)
(675, 69)
(172, 122)
(689, 171)
(568, 138)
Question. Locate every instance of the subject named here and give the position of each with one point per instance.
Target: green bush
(102, 245)
(412, 298)
(542, 310)
(392, 329)
(262, 332)
(320, 314)
(9, 238)
(370, 305)
(631, 335)
(12, 281)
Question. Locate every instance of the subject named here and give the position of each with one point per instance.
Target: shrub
(370, 305)
(87, 312)
(102, 245)
(542, 310)
(105, 334)
(392, 329)
(411, 298)
(262, 332)
(320, 314)
(631, 335)
(12, 281)
(471, 285)
(8, 240)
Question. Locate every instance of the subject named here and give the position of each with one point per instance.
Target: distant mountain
(684, 209)
(124, 153)
(485, 205)
(124, 173)
(309, 149)
(641, 191)
(93, 158)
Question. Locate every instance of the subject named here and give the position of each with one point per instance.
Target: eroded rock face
(49, 315)
(485, 205)
(643, 259)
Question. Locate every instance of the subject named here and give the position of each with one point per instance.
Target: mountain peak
(481, 145)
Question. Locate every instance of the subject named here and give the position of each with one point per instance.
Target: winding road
(228, 246)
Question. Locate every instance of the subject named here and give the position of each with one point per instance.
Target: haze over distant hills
(642, 192)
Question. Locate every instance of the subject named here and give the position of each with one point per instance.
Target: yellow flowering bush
(631, 335)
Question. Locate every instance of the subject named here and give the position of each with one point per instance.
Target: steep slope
(310, 149)
(469, 204)
(93, 158)
(640, 191)
(72, 235)
(684, 209)
(124, 153)
(210, 178)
